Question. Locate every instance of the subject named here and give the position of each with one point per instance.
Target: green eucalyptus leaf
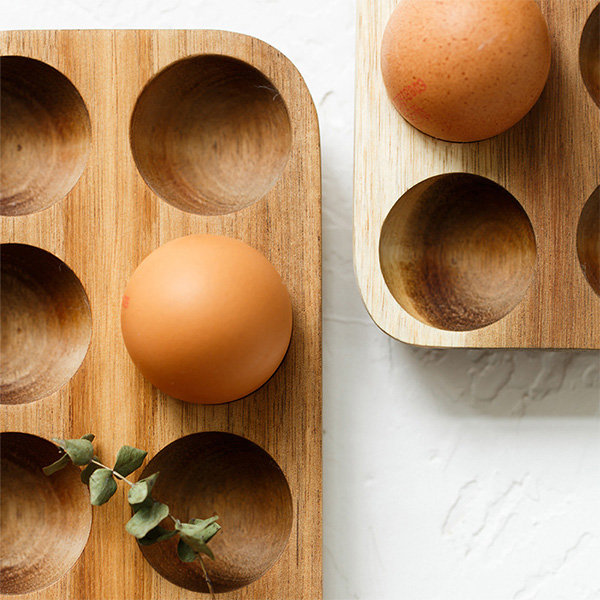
(204, 549)
(128, 460)
(61, 463)
(185, 553)
(88, 436)
(80, 451)
(87, 472)
(102, 486)
(147, 518)
(137, 493)
(198, 532)
(151, 480)
(210, 531)
(205, 522)
(158, 534)
(149, 501)
(141, 490)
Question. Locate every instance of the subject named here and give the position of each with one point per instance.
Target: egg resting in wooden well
(465, 70)
(206, 319)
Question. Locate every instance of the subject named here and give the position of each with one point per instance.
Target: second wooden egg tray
(493, 244)
(113, 143)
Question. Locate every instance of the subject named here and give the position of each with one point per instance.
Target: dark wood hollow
(45, 520)
(588, 240)
(45, 135)
(46, 323)
(589, 54)
(210, 134)
(457, 251)
(219, 473)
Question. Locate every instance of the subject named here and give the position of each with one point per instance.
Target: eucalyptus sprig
(148, 513)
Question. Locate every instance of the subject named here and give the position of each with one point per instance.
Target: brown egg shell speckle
(465, 70)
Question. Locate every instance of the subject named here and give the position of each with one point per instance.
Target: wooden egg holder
(456, 261)
(250, 170)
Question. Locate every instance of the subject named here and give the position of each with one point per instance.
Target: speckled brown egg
(465, 70)
(206, 319)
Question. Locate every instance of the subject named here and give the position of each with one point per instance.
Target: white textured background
(449, 475)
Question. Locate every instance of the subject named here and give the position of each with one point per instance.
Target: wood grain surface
(549, 162)
(109, 222)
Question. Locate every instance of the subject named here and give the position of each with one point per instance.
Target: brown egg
(206, 319)
(465, 70)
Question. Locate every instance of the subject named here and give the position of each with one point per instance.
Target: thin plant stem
(211, 591)
(204, 571)
(117, 475)
(175, 521)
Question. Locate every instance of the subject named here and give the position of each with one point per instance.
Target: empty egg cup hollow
(45, 137)
(588, 240)
(457, 252)
(589, 54)
(46, 323)
(210, 134)
(216, 473)
(46, 520)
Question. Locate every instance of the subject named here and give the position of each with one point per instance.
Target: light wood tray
(102, 229)
(549, 162)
